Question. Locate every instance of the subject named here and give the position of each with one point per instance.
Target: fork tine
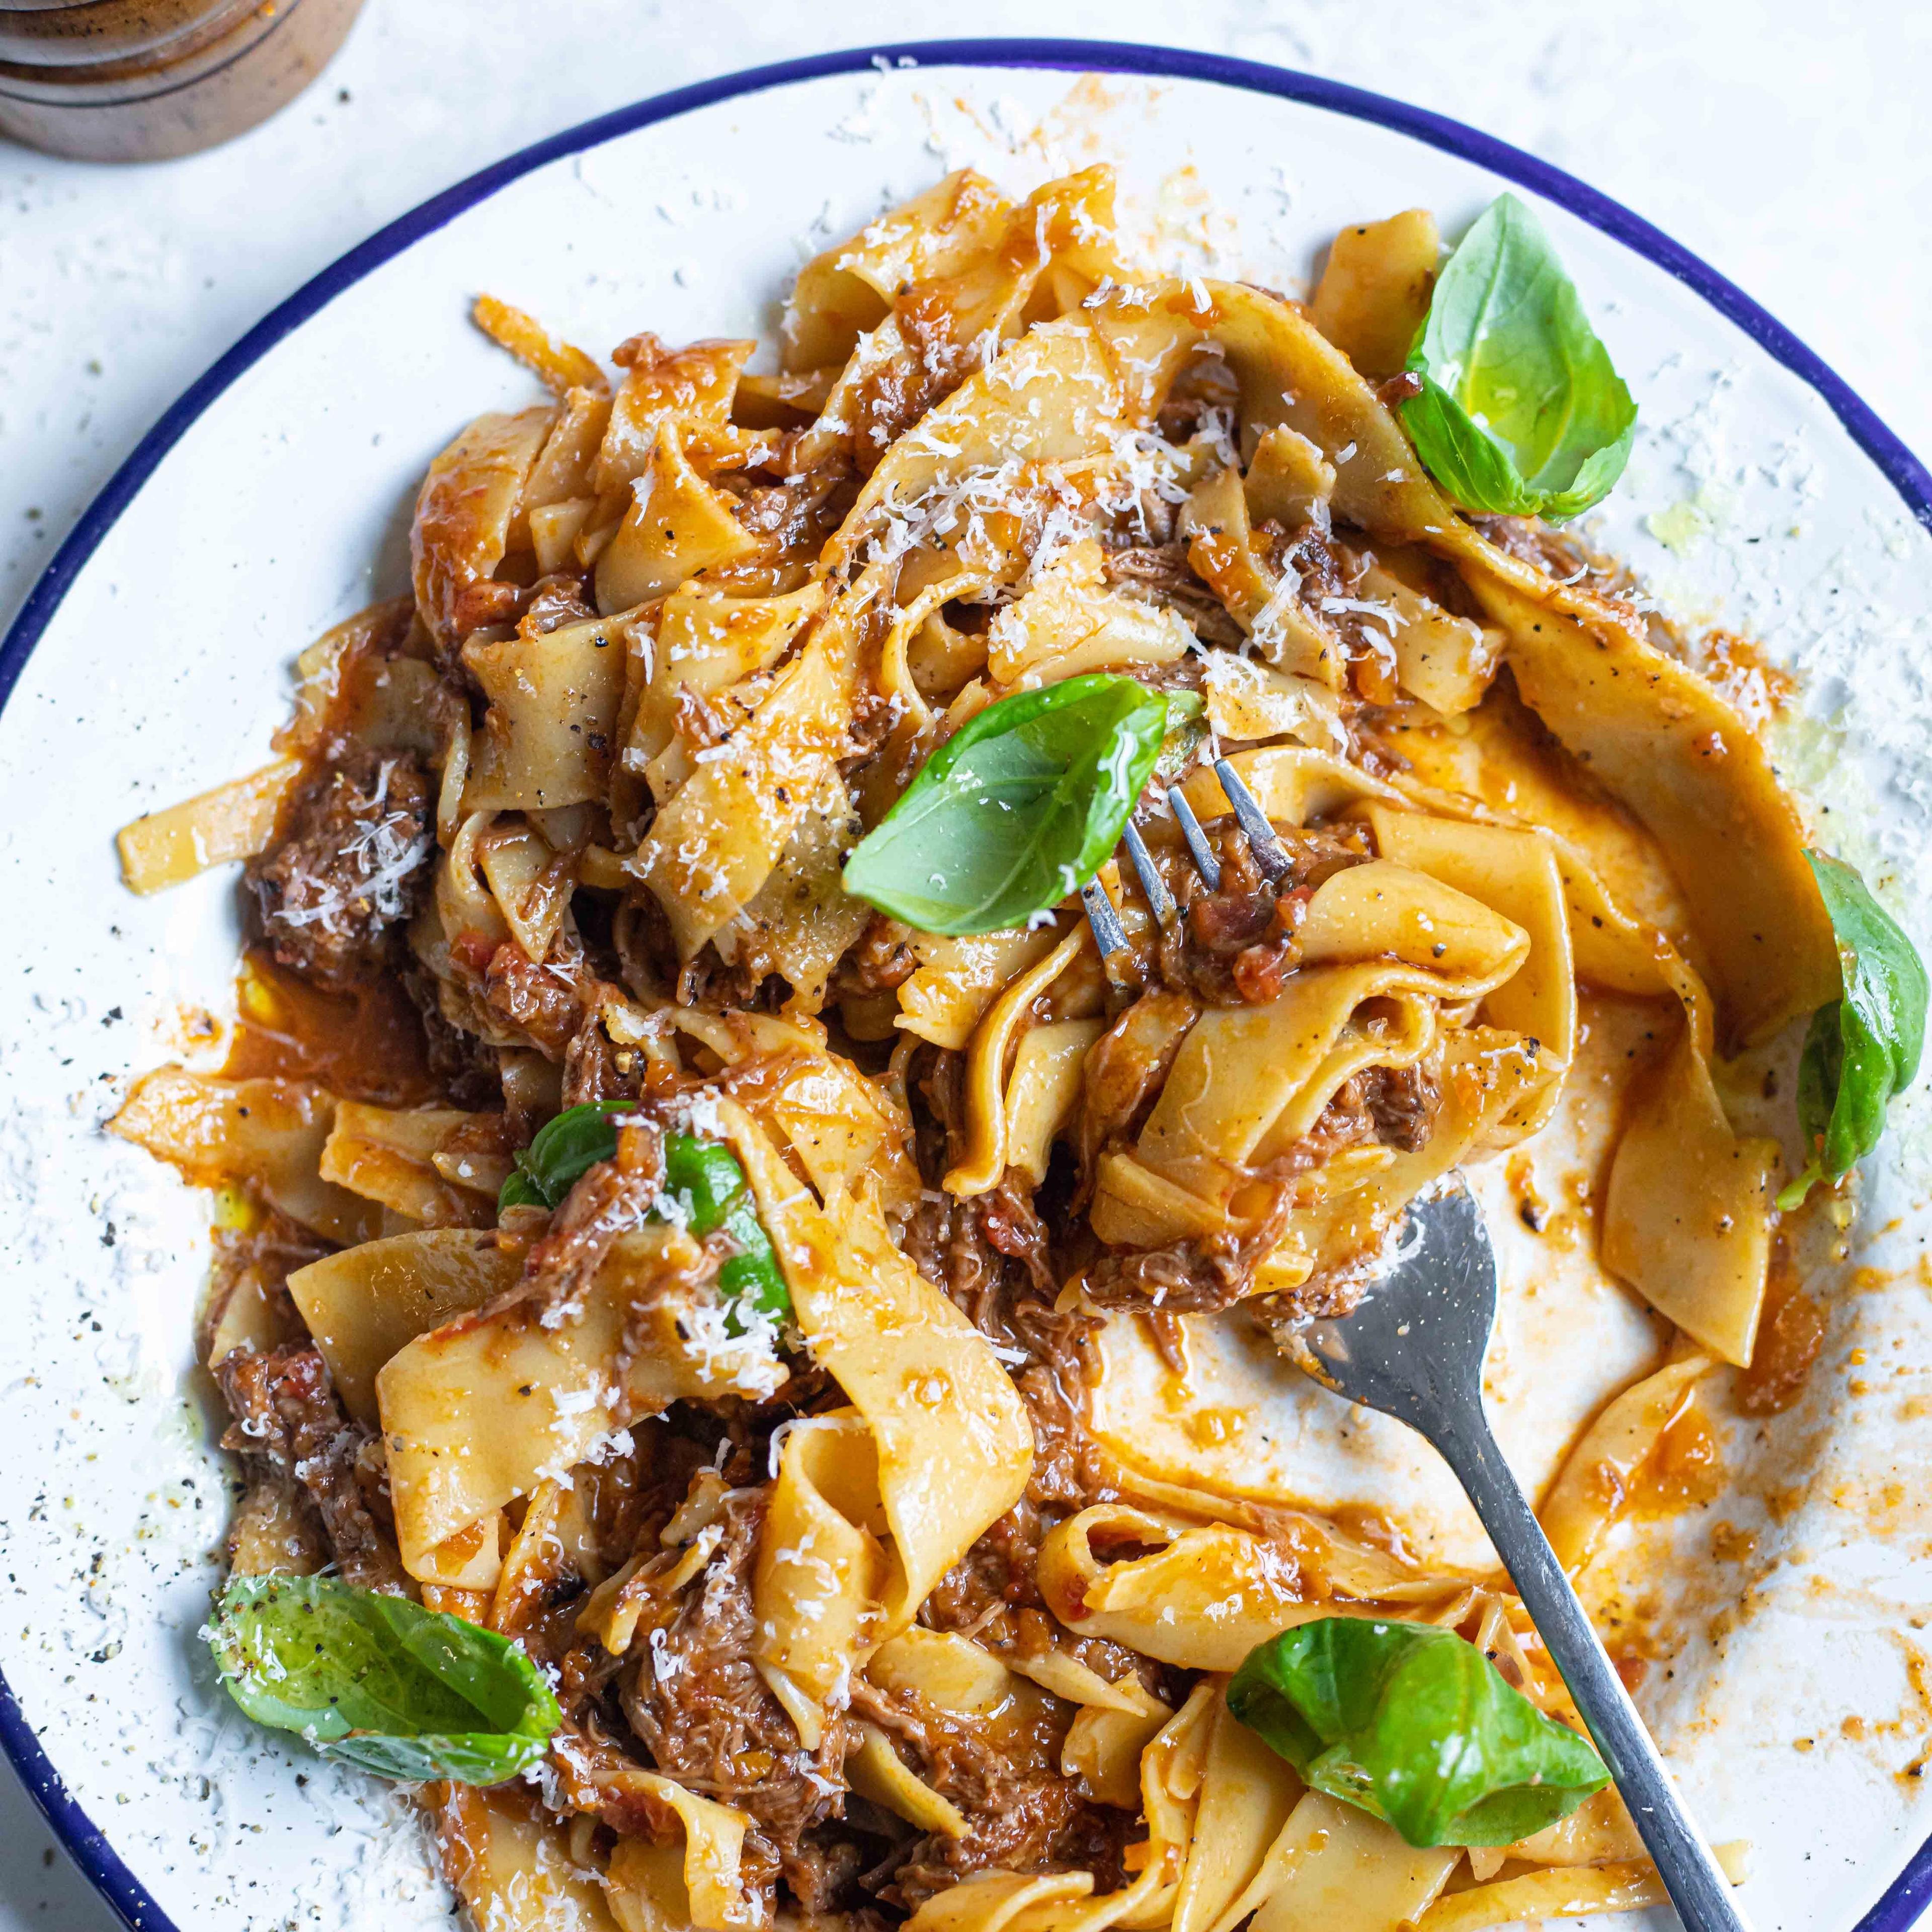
(1160, 901)
(1198, 850)
(1269, 855)
(1117, 956)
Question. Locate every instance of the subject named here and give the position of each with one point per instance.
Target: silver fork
(1117, 956)
(1413, 1348)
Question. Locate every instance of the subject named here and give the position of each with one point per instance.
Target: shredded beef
(612, 1198)
(1236, 945)
(873, 715)
(1402, 1101)
(544, 1001)
(792, 520)
(1161, 574)
(464, 1067)
(348, 870)
(707, 1717)
(892, 396)
(596, 1068)
(556, 601)
(1530, 540)
(1022, 1814)
(882, 961)
(289, 1424)
(1196, 1276)
(1395, 1106)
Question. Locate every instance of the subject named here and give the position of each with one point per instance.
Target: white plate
(273, 499)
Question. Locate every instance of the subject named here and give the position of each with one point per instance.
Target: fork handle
(1692, 1877)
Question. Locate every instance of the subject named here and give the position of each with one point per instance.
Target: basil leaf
(708, 1181)
(1863, 1047)
(565, 1148)
(1521, 413)
(1186, 733)
(519, 1190)
(1020, 807)
(380, 1682)
(704, 1178)
(1410, 1723)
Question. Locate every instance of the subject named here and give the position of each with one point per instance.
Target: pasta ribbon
(1250, 1082)
(1336, 1865)
(652, 1888)
(510, 1865)
(1687, 1216)
(1067, 621)
(953, 1443)
(957, 980)
(546, 740)
(478, 1412)
(388, 1155)
(1247, 1791)
(675, 526)
(708, 641)
(986, 1155)
(363, 1306)
(1669, 748)
(1208, 1595)
(690, 388)
(821, 1574)
(269, 1133)
(713, 845)
(234, 821)
(1595, 1478)
(466, 512)
(850, 288)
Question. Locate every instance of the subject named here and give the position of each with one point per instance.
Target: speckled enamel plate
(1789, 1684)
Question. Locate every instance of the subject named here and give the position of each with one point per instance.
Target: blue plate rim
(84, 1842)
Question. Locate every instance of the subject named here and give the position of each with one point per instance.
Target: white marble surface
(1782, 142)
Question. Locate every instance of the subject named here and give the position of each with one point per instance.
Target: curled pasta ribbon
(713, 845)
(820, 1574)
(951, 1673)
(708, 642)
(465, 509)
(365, 1305)
(553, 718)
(1249, 1082)
(1687, 1213)
(649, 1885)
(951, 1440)
(1203, 1600)
(1067, 621)
(844, 1130)
(1246, 1793)
(986, 1157)
(510, 1863)
(957, 980)
(850, 287)
(1043, 1091)
(389, 1156)
(675, 525)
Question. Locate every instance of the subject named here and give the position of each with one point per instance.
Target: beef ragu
(700, 1277)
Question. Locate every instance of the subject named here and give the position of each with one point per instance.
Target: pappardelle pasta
(684, 1159)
